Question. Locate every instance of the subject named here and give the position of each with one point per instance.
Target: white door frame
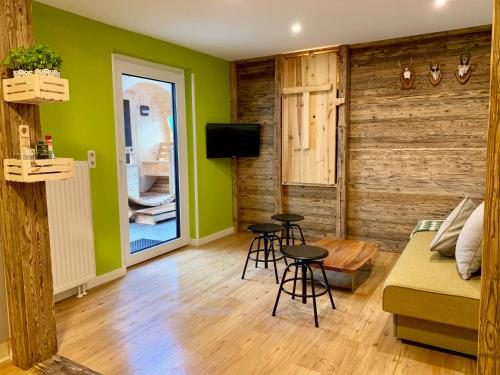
(146, 69)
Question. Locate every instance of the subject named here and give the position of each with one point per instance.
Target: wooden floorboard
(190, 313)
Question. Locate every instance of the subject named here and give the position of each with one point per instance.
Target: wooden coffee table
(346, 256)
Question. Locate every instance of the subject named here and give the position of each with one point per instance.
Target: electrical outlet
(91, 158)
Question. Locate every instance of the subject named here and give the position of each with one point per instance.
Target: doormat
(142, 244)
(59, 365)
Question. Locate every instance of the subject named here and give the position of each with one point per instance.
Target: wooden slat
(24, 235)
(306, 89)
(278, 186)
(342, 147)
(489, 318)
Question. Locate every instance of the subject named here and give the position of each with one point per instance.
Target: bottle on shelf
(42, 150)
(48, 142)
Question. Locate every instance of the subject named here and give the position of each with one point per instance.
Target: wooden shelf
(38, 170)
(35, 89)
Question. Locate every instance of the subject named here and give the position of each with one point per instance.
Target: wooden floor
(190, 313)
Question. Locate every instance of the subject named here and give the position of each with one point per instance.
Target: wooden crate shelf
(38, 170)
(35, 89)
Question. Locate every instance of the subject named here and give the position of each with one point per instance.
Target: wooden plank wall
(256, 177)
(414, 154)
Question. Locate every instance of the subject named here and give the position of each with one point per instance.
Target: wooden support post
(489, 317)
(278, 186)
(24, 233)
(234, 161)
(342, 143)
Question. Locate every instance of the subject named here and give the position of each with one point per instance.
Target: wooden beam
(342, 144)
(306, 89)
(489, 317)
(278, 186)
(24, 233)
(234, 161)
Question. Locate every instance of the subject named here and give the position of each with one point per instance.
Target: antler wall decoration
(407, 76)
(435, 74)
(464, 69)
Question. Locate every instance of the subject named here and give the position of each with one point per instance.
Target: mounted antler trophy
(435, 74)
(407, 76)
(464, 69)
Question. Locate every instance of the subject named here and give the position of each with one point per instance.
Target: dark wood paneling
(414, 154)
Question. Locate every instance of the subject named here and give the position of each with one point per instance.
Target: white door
(151, 147)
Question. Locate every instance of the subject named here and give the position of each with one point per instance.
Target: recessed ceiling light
(296, 28)
(439, 3)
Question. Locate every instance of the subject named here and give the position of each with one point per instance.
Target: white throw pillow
(446, 238)
(469, 250)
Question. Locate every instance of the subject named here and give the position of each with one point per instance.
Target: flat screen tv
(228, 140)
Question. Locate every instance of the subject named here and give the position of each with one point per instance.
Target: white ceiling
(236, 29)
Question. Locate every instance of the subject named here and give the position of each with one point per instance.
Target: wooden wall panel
(317, 204)
(257, 177)
(414, 154)
(411, 154)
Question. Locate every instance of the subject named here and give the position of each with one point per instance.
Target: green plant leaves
(37, 57)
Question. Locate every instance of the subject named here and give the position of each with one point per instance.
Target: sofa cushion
(427, 286)
(447, 235)
(469, 245)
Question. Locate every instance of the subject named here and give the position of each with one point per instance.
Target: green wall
(86, 122)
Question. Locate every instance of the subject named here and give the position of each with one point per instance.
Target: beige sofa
(430, 301)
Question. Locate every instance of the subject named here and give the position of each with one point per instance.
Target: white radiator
(71, 234)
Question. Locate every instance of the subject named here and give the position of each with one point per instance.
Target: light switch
(91, 158)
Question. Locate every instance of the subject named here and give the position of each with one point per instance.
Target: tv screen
(228, 140)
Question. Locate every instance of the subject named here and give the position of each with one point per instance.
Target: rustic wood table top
(346, 255)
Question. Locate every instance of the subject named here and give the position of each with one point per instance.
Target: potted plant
(39, 59)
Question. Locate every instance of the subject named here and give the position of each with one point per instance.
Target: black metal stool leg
(304, 282)
(295, 280)
(280, 240)
(257, 254)
(266, 250)
(281, 288)
(301, 233)
(313, 296)
(274, 262)
(287, 233)
(327, 286)
(293, 236)
(248, 257)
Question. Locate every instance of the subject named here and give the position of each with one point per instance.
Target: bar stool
(266, 234)
(304, 256)
(287, 220)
